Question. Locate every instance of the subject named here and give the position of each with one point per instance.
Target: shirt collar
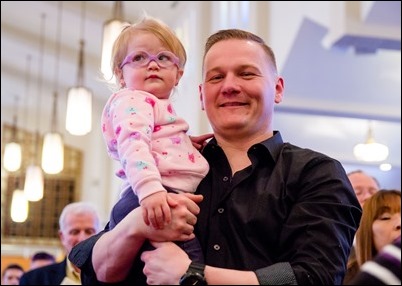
(71, 273)
(273, 145)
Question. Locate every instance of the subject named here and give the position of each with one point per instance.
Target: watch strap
(197, 267)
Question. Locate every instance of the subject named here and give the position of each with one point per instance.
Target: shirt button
(217, 247)
(221, 210)
(225, 179)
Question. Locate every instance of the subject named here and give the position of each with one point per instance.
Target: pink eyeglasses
(139, 59)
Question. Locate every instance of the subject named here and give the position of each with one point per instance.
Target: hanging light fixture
(111, 29)
(19, 206)
(34, 181)
(12, 150)
(53, 148)
(19, 203)
(79, 102)
(371, 151)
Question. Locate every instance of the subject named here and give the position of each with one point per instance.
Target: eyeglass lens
(141, 58)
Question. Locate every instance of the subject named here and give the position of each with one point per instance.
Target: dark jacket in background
(51, 274)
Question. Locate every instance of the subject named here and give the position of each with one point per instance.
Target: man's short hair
(42, 255)
(12, 266)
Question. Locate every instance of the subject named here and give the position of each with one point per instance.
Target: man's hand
(166, 264)
(200, 141)
(184, 211)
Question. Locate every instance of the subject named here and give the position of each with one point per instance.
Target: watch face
(192, 278)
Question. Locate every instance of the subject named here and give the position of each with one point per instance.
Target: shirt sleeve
(276, 274)
(81, 256)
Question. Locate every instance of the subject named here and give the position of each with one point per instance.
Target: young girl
(140, 126)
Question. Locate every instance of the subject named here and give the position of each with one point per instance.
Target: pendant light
(371, 151)
(53, 148)
(19, 203)
(19, 206)
(12, 150)
(111, 29)
(34, 181)
(79, 102)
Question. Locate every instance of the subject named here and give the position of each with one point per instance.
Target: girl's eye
(138, 58)
(164, 58)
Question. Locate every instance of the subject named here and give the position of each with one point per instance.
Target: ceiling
(334, 83)
(20, 35)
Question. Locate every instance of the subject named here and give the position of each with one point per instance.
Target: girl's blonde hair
(150, 25)
(381, 202)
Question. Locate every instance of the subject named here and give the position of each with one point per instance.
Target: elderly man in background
(363, 184)
(77, 222)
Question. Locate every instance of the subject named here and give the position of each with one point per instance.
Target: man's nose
(230, 85)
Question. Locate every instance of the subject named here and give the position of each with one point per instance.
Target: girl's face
(151, 76)
(386, 228)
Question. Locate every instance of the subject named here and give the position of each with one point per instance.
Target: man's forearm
(115, 251)
(220, 276)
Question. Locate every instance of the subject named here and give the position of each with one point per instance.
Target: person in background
(141, 128)
(11, 274)
(272, 212)
(380, 225)
(77, 222)
(364, 186)
(384, 269)
(40, 259)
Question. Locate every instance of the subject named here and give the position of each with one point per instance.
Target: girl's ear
(119, 76)
(179, 74)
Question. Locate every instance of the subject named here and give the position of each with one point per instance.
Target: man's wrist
(194, 275)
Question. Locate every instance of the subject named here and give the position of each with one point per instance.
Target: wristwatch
(194, 275)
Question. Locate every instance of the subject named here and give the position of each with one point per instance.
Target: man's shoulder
(298, 150)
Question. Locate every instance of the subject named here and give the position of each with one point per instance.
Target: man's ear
(279, 90)
(201, 96)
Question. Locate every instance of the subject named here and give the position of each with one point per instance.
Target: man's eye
(247, 74)
(216, 77)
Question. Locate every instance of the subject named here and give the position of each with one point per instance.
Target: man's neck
(236, 149)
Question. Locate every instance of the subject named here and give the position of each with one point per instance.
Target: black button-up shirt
(290, 216)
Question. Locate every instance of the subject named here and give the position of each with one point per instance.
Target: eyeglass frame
(129, 59)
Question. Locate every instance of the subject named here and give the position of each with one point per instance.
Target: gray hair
(79, 208)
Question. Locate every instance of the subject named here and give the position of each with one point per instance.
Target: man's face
(12, 276)
(78, 227)
(239, 88)
(363, 185)
(40, 263)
